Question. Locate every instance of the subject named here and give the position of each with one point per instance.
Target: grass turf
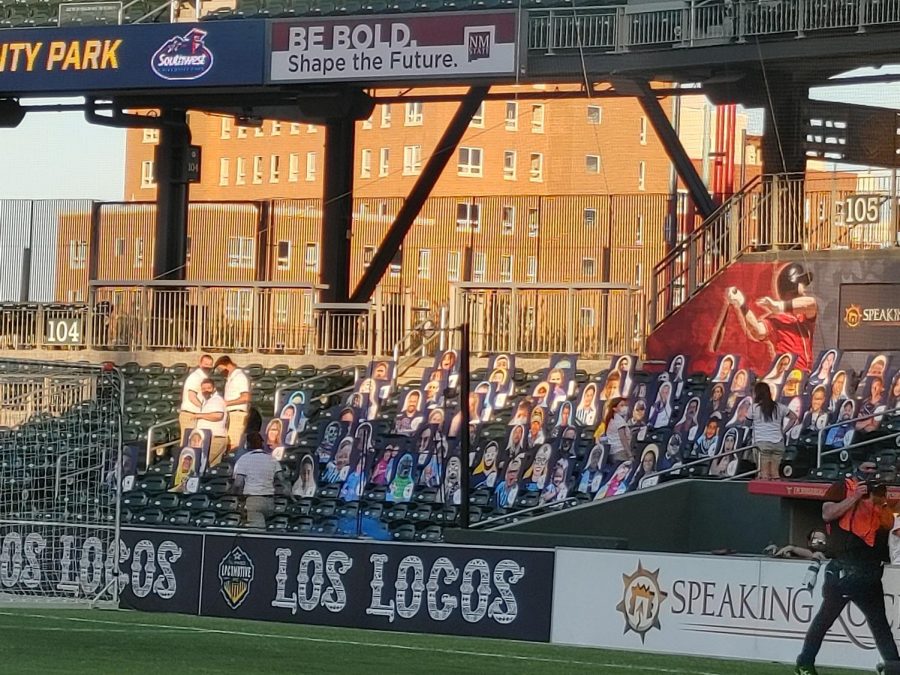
(130, 643)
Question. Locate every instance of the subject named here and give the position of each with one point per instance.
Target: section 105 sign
(395, 48)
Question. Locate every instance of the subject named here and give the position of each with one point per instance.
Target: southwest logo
(183, 57)
(235, 576)
(641, 601)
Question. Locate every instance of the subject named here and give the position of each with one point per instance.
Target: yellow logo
(236, 573)
(853, 316)
(641, 601)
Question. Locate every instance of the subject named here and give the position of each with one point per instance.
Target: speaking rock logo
(853, 316)
(641, 601)
(183, 57)
(235, 576)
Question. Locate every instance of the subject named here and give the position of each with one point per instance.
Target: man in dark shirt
(859, 524)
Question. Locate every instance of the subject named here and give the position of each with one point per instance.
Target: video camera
(876, 487)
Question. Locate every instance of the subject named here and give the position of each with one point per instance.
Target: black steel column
(337, 209)
(170, 239)
(465, 438)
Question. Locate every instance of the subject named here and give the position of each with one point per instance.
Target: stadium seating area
(45, 13)
(385, 463)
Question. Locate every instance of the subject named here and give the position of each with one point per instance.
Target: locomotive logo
(184, 57)
(235, 576)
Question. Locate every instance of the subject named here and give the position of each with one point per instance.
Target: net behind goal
(60, 446)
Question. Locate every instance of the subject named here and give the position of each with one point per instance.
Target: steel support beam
(337, 209)
(672, 144)
(432, 170)
(172, 196)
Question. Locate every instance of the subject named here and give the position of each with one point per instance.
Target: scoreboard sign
(153, 56)
(395, 48)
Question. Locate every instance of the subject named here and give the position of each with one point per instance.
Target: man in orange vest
(859, 520)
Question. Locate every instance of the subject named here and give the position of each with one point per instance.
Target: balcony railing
(701, 23)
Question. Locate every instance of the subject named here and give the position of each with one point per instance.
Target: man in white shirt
(191, 400)
(212, 416)
(254, 477)
(237, 399)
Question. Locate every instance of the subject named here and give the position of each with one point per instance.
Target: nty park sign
(103, 58)
(395, 48)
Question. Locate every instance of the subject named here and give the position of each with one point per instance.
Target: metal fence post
(801, 15)
(862, 16)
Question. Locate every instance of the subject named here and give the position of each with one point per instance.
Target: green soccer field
(83, 641)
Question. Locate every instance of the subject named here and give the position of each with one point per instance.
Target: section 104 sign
(395, 48)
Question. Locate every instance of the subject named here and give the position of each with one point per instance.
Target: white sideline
(359, 643)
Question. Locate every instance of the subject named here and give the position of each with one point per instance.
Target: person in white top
(191, 401)
(237, 399)
(212, 416)
(618, 434)
(768, 435)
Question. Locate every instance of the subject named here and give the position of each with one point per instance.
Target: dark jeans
(861, 585)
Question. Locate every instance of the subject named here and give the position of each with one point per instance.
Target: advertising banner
(869, 317)
(146, 56)
(753, 609)
(395, 48)
(460, 590)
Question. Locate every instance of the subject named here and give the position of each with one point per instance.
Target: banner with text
(396, 48)
(133, 56)
(460, 590)
(742, 608)
(870, 317)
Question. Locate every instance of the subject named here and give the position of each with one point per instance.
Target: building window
(365, 164)
(283, 257)
(258, 131)
(276, 128)
(506, 268)
(138, 254)
(453, 264)
(423, 264)
(148, 180)
(257, 169)
(224, 170)
(592, 163)
(241, 132)
(586, 317)
(368, 254)
(468, 215)
(537, 167)
(531, 269)
(295, 128)
(639, 275)
(588, 268)
(642, 175)
(311, 257)
(643, 131)
(386, 116)
(274, 168)
(225, 130)
(311, 128)
(639, 231)
(512, 115)
(241, 174)
(240, 252)
(478, 117)
(119, 248)
(77, 254)
(384, 160)
(479, 262)
(509, 164)
(469, 162)
(413, 114)
(151, 136)
(589, 217)
(537, 118)
(310, 166)
(534, 222)
(293, 167)
(507, 220)
(238, 304)
(412, 160)
(74, 295)
(594, 114)
(367, 123)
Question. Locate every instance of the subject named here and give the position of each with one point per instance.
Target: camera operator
(858, 519)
